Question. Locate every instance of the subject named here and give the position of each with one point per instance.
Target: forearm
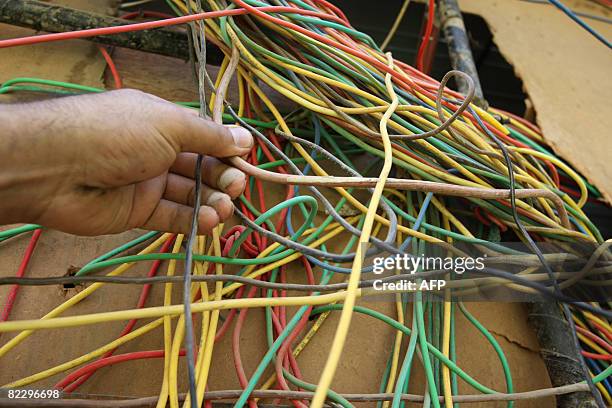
(31, 167)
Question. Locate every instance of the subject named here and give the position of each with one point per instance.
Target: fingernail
(242, 137)
(214, 197)
(228, 177)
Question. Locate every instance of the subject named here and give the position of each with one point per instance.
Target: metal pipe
(459, 48)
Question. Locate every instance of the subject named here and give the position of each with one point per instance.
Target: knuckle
(129, 93)
(191, 195)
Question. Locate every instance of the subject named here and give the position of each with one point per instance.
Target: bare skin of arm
(105, 163)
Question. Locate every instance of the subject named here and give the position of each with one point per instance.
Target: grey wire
(125, 280)
(199, 47)
(531, 244)
(488, 272)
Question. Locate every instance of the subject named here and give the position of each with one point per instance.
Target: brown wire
(294, 395)
(401, 184)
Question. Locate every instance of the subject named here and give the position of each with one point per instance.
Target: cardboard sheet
(565, 75)
(565, 72)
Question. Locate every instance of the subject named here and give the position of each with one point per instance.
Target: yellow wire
(352, 289)
(85, 358)
(222, 69)
(163, 395)
(270, 267)
(201, 269)
(81, 295)
(584, 193)
(319, 171)
(394, 27)
(596, 319)
(212, 330)
(174, 310)
(398, 336)
(446, 378)
(603, 391)
(592, 344)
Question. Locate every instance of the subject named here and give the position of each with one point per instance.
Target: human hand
(105, 163)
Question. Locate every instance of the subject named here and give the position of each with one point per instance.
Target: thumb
(203, 136)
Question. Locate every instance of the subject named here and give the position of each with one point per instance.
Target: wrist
(30, 172)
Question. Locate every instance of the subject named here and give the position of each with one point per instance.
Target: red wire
(283, 351)
(147, 25)
(480, 217)
(242, 379)
(10, 300)
(112, 67)
(576, 194)
(595, 338)
(605, 3)
(426, 35)
(69, 386)
(334, 9)
(596, 356)
(503, 227)
(120, 358)
(602, 329)
(554, 174)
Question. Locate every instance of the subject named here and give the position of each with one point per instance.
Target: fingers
(182, 190)
(180, 126)
(170, 216)
(216, 174)
(202, 136)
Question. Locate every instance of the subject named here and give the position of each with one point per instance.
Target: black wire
(187, 276)
(124, 280)
(532, 245)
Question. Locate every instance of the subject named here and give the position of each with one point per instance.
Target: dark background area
(501, 87)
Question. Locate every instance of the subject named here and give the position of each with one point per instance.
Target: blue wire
(580, 22)
(419, 220)
(307, 168)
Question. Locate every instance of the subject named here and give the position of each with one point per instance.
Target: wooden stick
(56, 19)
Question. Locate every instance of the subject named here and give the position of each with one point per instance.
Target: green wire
(295, 200)
(17, 231)
(270, 354)
(398, 326)
(118, 250)
(496, 346)
(385, 379)
(429, 374)
(404, 375)
(216, 259)
(49, 82)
